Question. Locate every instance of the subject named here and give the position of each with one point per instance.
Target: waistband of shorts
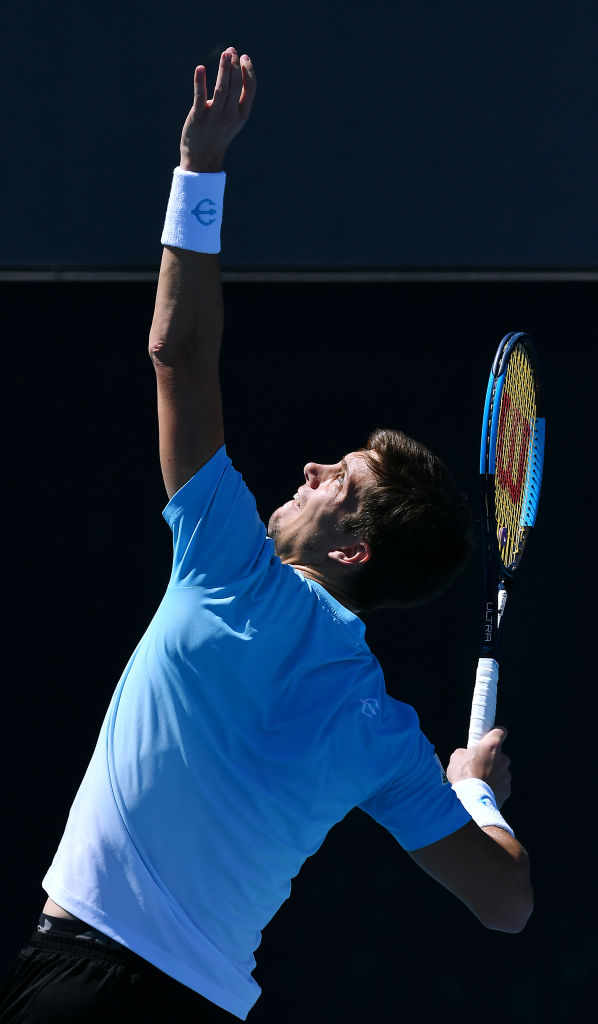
(72, 927)
(115, 953)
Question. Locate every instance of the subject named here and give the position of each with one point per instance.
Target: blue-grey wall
(417, 133)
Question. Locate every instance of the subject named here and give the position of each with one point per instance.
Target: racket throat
(500, 605)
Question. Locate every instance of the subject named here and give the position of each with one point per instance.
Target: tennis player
(252, 715)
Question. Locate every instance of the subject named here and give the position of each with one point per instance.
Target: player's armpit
(487, 870)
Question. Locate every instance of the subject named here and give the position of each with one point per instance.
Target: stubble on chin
(272, 528)
(273, 531)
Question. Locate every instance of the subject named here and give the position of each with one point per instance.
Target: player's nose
(311, 472)
(315, 473)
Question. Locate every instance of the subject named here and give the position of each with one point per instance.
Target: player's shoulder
(200, 487)
(399, 717)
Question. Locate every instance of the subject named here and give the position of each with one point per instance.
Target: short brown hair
(415, 521)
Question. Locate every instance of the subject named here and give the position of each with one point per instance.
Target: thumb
(496, 736)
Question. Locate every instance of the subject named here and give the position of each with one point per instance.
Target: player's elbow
(511, 903)
(512, 918)
(164, 351)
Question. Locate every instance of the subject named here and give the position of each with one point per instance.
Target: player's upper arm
(184, 345)
(189, 413)
(487, 869)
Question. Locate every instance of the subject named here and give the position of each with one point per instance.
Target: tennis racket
(511, 459)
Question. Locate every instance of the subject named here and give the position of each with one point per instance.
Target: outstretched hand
(484, 761)
(212, 124)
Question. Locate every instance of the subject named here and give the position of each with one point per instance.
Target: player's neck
(330, 585)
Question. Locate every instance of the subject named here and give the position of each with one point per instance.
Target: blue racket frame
(498, 576)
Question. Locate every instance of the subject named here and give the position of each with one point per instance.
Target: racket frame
(497, 577)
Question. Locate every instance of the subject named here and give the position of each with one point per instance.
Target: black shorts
(63, 979)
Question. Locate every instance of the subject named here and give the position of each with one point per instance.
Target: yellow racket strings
(514, 448)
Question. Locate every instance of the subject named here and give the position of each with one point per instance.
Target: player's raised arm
(186, 331)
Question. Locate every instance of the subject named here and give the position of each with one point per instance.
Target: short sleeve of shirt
(417, 807)
(218, 536)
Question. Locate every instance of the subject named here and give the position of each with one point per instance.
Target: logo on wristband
(206, 212)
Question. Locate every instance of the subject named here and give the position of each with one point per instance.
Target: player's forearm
(188, 315)
(516, 899)
(501, 896)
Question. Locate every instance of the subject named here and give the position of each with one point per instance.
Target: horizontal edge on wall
(68, 275)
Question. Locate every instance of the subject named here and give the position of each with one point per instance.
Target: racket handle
(483, 705)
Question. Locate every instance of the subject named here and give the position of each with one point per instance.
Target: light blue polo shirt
(250, 719)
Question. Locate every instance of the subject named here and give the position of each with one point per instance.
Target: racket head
(512, 451)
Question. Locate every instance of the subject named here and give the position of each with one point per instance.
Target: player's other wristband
(478, 800)
(194, 212)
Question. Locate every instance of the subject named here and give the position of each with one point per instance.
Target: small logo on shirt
(369, 707)
(205, 212)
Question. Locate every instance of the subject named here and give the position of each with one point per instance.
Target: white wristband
(478, 799)
(194, 212)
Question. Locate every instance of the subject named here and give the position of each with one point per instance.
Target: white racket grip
(483, 705)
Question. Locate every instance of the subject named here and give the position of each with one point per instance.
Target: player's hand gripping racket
(511, 459)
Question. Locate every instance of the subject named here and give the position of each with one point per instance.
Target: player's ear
(354, 554)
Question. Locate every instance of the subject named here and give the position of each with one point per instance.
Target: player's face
(305, 529)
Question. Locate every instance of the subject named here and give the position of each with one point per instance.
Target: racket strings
(516, 456)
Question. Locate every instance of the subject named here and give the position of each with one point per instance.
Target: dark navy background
(405, 134)
(308, 371)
